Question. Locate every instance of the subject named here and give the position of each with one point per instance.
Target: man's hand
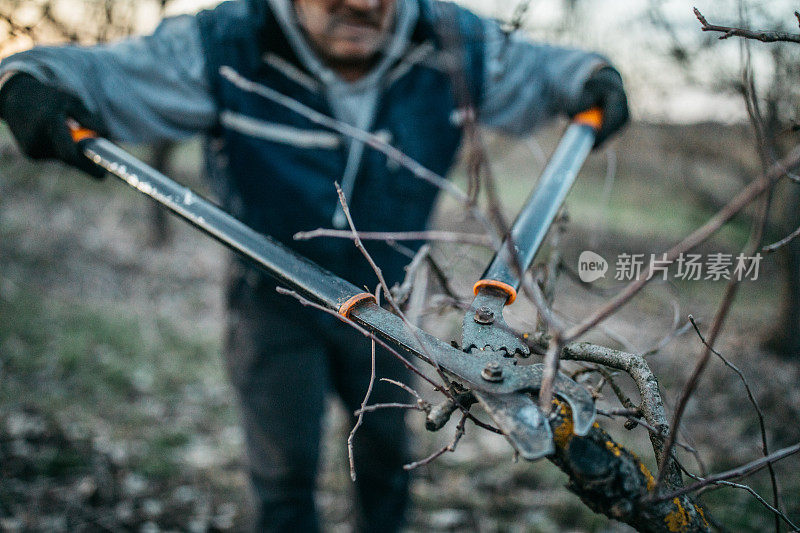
(604, 89)
(37, 115)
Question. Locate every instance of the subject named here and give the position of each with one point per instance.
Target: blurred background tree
(765, 78)
(27, 23)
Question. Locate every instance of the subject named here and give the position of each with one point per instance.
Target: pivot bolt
(484, 315)
(492, 372)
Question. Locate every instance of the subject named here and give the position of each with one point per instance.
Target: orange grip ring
(82, 133)
(78, 132)
(591, 117)
(510, 291)
(353, 301)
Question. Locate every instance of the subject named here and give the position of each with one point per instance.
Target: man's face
(346, 31)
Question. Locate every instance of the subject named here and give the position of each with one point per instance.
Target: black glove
(604, 89)
(37, 115)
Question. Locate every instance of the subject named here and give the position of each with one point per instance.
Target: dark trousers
(283, 359)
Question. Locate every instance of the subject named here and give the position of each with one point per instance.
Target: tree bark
(612, 481)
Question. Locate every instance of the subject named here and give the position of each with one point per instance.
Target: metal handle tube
(538, 213)
(286, 266)
(283, 264)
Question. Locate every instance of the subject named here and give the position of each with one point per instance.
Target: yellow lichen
(614, 448)
(651, 481)
(565, 430)
(702, 515)
(677, 520)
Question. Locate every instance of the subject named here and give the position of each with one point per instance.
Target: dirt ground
(115, 412)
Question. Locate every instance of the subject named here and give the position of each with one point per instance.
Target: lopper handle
(541, 208)
(284, 265)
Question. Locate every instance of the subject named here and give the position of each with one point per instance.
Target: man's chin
(353, 52)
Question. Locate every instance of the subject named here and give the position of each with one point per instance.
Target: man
(380, 65)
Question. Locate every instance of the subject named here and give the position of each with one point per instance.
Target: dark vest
(275, 169)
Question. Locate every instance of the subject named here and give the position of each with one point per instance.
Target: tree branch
(749, 193)
(764, 36)
(735, 473)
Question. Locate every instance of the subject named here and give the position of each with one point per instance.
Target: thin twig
(360, 419)
(383, 344)
(735, 473)
(549, 374)
(633, 417)
(749, 193)
(768, 154)
(781, 243)
(402, 293)
(476, 239)
(749, 489)
(766, 36)
(404, 387)
(369, 139)
(379, 273)
(306, 302)
(449, 448)
(731, 289)
(759, 413)
(390, 405)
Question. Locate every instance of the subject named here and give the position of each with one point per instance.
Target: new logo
(591, 266)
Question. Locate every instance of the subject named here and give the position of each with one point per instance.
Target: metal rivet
(484, 315)
(492, 372)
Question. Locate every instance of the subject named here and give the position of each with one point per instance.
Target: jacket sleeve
(526, 83)
(143, 89)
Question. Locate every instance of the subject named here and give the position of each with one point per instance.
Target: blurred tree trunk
(160, 234)
(785, 338)
(779, 100)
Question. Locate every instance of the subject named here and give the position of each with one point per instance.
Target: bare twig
(369, 139)
(383, 344)
(632, 415)
(735, 473)
(376, 269)
(440, 413)
(765, 36)
(363, 331)
(403, 386)
(781, 243)
(747, 488)
(403, 292)
(360, 419)
(551, 360)
(390, 405)
(357, 241)
(752, 398)
(749, 193)
(621, 396)
(449, 448)
(731, 289)
(476, 239)
(767, 151)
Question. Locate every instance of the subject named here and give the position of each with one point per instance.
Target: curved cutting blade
(521, 421)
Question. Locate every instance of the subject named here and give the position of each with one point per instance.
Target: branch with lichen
(651, 406)
(613, 481)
